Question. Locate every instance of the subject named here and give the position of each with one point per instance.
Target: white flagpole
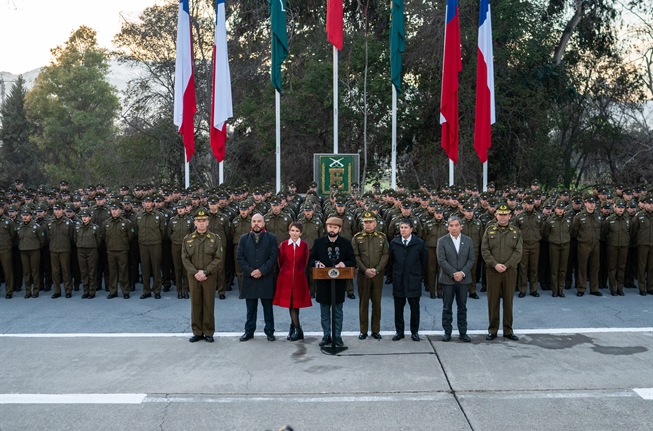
(186, 171)
(335, 100)
(278, 138)
(485, 176)
(450, 172)
(394, 138)
(221, 174)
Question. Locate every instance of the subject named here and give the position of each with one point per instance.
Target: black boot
(290, 331)
(298, 334)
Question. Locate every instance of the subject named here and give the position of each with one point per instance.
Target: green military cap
(374, 207)
(632, 204)
(201, 214)
(100, 186)
(468, 207)
(606, 205)
(492, 202)
(58, 205)
(503, 209)
(529, 200)
(560, 203)
(432, 203)
(589, 198)
(340, 201)
(648, 200)
(368, 216)
(124, 187)
(158, 198)
(406, 204)
(439, 209)
(243, 205)
(85, 213)
(100, 196)
(307, 207)
(275, 200)
(115, 205)
(291, 183)
(70, 207)
(42, 207)
(127, 199)
(147, 198)
(312, 184)
(12, 208)
(619, 203)
(213, 199)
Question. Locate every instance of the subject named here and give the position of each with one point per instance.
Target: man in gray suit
(456, 256)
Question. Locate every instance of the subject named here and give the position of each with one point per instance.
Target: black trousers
(459, 291)
(268, 315)
(400, 303)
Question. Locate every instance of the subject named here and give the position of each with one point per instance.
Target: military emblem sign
(335, 169)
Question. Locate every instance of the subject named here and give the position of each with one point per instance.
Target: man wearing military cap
(149, 227)
(615, 231)
(87, 238)
(179, 226)
(219, 225)
(313, 229)
(117, 233)
(473, 228)
(371, 251)
(501, 249)
(31, 238)
(642, 231)
(240, 226)
(529, 223)
(586, 228)
(557, 232)
(434, 229)
(201, 255)
(60, 231)
(7, 238)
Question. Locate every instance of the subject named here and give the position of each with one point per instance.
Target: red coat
(292, 286)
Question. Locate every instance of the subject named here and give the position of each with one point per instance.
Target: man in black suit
(456, 254)
(408, 259)
(331, 250)
(257, 256)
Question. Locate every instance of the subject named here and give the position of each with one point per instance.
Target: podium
(333, 274)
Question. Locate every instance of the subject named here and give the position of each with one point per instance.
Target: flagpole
(335, 100)
(221, 174)
(450, 172)
(278, 138)
(394, 138)
(485, 177)
(186, 171)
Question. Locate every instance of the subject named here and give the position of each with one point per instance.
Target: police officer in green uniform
(434, 229)
(557, 231)
(201, 255)
(473, 228)
(501, 249)
(586, 228)
(60, 230)
(529, 223)
(616, 232)
(220, 225)
(179, 226)
(150, 225)
(7, 237)
(117, 233)
(31, 238)
(642, 230)
(87, 238)
(372, 253)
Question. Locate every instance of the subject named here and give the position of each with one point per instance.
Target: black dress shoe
(91, 295)
(483, 289)
(186, 295)
(580, 294)
(351, 296)
(535, 294)
(613, 293)
(228, 288)
(362, 335)
(69, 295)
(85, 296)
(166, 288)
(597, 293)
(146, 295)
(512, 337)
(620, 292)
(291, 331)
(157, 296)
(376, 335)
(325, 340)
(561, 294)
(47, 288)
(56, 295)
(439, 296)
(414, 336)
(126, 296)
(313, 295)
(222, 297)
(554, 294)
(339, 342)
(490, 337)
(465, 338)
(388, 280)
(432, 296)
(8, 296)
(196, 338)
(246, 337)
(35, 295)
(28, 295)
(271, 337)
(642, 292)
(180, 295)
(446, 337)
(398, 337)
(521, 294)
(111, 295)
(76, 288)
(208, 339)
(473, 296)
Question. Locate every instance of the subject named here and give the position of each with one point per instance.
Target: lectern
(333, 274)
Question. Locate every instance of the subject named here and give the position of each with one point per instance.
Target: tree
(74, 109)
(18, 155)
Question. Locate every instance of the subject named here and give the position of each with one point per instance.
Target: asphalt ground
(71, 364)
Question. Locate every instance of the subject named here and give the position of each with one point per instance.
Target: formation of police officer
(96, 238)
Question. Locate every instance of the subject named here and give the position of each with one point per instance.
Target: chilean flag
(485, 115)
(335, 23)
(452, 66)
(221, 106)
(185, 106)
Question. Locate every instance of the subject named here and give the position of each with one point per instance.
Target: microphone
(337, 253)
(329, 252)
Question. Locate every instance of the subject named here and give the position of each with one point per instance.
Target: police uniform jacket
(642, 227)
(371, 251)
(530, 225)
(616, 230)
(502, 244)
(117, 234)
(7, 233)
(586, 227)
(31, 236)
(557, 230)
(149, 227)
(201, 252)
(60, 234)
(179, 227)
(87, 236)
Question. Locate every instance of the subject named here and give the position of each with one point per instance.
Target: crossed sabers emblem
(336, 162)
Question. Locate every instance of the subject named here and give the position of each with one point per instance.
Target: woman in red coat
(292, 287)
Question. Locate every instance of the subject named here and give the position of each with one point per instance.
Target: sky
(30, 28)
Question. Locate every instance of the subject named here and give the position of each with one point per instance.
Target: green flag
(397, 46)
(277, 10)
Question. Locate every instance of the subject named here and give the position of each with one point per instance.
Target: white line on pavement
(72, 398)
(646, 393)
(545, 331)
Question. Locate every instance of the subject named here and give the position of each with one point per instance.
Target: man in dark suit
(257, 256)
(408, 259)
(456, 254)
(325, 249)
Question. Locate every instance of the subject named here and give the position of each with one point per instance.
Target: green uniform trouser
(60, 264)
(45, 269)
(220, 280)
(202, 305)
(572, 264)
(559, 258)
(544, 267)
(604, 265)
(588, 264)
(370, 289)
(631, 267)
(181, 280)
(528, 266)
(87, 258)
(645, 266)
(31, 260)
(471, 287)
(616, 262)
(118, 272)
(7, 264)
(500, 285)
(166, 263)
(432, 271)
(151, 265)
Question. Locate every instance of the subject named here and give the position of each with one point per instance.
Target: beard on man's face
(333, 234)
(256, 229)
